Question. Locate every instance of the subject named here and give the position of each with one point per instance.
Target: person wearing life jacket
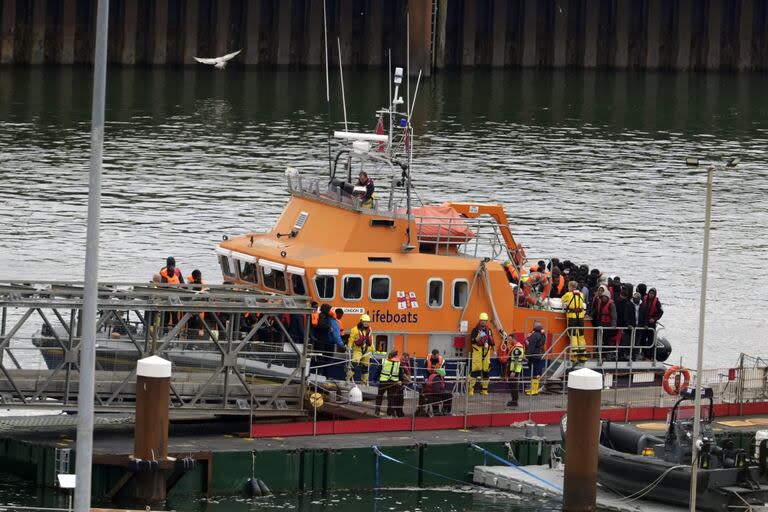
(516, 358)
(653, 313)
(196, 278)
(573, 302)
(481, 339)
(606, 318)
(434, 362)
(360, 341)
(367, 198)
(513, 276)
(169, 273)
(536, 287)
(434, 397)
(557, 287)
(535, 345)
(540, 266)
(391, 380)
(338, 314)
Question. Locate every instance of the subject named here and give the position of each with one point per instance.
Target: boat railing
(600, 352)
(458, 236)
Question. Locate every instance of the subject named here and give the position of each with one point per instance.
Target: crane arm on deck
(496, 211)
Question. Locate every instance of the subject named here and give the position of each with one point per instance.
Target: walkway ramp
(543, 481)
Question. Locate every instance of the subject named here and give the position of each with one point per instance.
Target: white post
(91, 282)
(700, 356)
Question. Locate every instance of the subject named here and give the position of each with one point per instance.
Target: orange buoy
(675, 379)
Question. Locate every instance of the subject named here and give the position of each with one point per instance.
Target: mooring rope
(383, 455)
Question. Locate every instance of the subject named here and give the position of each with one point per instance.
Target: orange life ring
(675, 372)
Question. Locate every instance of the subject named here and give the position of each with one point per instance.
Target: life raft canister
(676, 379)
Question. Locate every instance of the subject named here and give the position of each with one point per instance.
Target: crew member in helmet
(169, 273)
(573, 301)
(482, 347)
(361, 344)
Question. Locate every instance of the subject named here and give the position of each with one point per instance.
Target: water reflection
(587, 164)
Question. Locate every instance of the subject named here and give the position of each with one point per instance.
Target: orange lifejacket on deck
(537, 278)
(437, 365)
(512, 272)
(560, 285)
(174, 279)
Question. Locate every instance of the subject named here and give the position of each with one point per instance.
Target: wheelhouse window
(352, 288)
(460, 293)
(247, 271)
(435, 293)
(273, 279)
(379, 288)
(326, 287)
(297, 283)
(226, 267)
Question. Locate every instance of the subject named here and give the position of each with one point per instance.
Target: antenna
(389, 145)
(415, 94)
(327, 91)
(408, 61)
(343, 98)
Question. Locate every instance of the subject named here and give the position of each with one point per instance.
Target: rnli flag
(380, 131)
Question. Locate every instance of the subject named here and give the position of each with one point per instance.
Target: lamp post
(702, 313)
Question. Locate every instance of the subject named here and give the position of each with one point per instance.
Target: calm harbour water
(588, 165)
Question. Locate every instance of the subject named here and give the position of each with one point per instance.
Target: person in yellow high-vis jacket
(573, 301)
(516, 358)
(481, 339)
(361, 343)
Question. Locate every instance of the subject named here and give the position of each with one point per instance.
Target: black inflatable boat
(636, 465)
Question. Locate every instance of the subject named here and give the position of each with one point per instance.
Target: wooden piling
(622, 34)
(160, 36)
(653, 34)
(129, 32)
(592, 16)
(442, 20)
(284, 33)
(561, 34)
(7, 32)
(684, 35)
(746, 20)
(420, 36)
(37, 54)
(150, 441)
(373, 27)
(581, 444)
(67, 55)
(253, 41)
(223, 8)
(714, 32)
(314, 33)
(191, 9)
(529, 33)
(498, 54)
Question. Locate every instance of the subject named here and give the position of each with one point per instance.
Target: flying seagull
(218, 62)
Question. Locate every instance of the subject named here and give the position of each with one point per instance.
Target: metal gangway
(234, 350)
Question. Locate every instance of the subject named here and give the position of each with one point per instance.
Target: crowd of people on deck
(623, 310)
(619, 308)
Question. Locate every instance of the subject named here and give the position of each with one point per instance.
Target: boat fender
(680, 378)
(263, 487)
(252, 487)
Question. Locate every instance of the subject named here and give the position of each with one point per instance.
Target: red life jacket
(653, 307)
(365, 337)
(604, 313)
(435, 383)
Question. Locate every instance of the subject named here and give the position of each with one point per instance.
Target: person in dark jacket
(534, 350)
(326, 337)
(640, 316)
(642, 289)
(654, 312)
(624, 320)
